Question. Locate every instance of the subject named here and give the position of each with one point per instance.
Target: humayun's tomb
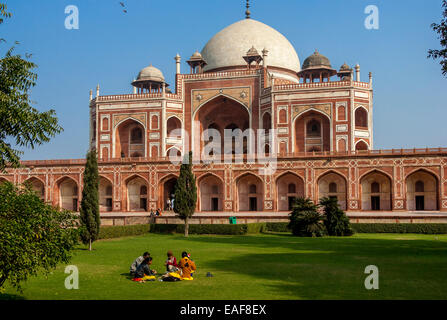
(248, 76)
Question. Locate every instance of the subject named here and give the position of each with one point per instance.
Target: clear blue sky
(111, 47)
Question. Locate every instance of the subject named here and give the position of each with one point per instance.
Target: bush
(422, 228)
(305, 220)
(123, 231)
(335, 219)
(224, 229)
(277, 227)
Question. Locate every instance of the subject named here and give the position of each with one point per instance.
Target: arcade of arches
(375, 190)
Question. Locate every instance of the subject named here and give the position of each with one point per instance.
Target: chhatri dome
(227, 47)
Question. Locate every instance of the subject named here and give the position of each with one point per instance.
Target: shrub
(277, 227)
(422, 228)
(335, 219)
(305, 220)
(123, 231)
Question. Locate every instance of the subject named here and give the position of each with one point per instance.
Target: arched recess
(38, 186)
(105, 194)
(312, 132)
(173, 127)
(3, 180)
(361, 118)
(68, 194)
(422, 191)
(167, 190)
(220, 113)
(130, 139)
(361, 146)
(173, 152)
(289, 186)
(333, 185)
(376, 191)
(211, 193)
(137, 191)
(267, 122)
(250, 193)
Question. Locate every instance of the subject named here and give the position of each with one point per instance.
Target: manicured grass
(267, 266)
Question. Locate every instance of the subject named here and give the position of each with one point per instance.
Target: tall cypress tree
(90, 218)
(186, 192)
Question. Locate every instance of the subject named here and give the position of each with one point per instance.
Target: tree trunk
(186, 227)
(90, 245)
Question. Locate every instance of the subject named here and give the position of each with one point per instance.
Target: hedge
(123, 231)
(255, 228)
(226, 229)
(424, 228)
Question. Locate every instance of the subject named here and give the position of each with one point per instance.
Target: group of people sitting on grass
(183, 270)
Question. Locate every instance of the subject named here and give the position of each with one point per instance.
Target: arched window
(252, 188)
(419, 186)
(143, 190)
(332, 187)
(313, 128)
(154, 122)
(267, 122)
(361, 118)
(282, 116)
(105, 124)
(109, 191)
(375, 187)
(292, 188)
(341, 113)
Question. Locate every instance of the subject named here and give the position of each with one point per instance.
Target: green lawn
(268, 266)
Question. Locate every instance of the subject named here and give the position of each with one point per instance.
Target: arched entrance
(129, 140)
(68, 194)
(376, 191)
(37, 186)
(168, 191)
(219, 114)
(173, 127)
(289, 187)
(333, 185)
(422, 191)
(105, 195)
(361, 146)
(211, 193)
(250, 193)
(312, 132)
(137, 194)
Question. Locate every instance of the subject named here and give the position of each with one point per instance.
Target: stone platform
(132, 218)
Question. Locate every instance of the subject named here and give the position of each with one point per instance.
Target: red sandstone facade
(322, 146)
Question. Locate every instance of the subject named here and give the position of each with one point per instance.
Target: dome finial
(247, 13)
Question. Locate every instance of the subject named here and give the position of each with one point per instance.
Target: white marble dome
(227, 47)
(151, 73)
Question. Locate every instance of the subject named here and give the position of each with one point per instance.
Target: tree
(335, 220)
(89, 212)
(34, 236)
(19, 121)
(186, 192)
(305, 220)
(441, 30)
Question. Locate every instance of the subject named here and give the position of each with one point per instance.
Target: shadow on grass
(333, 268)
(7, 296)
